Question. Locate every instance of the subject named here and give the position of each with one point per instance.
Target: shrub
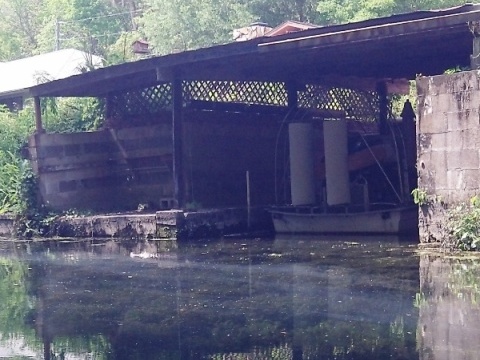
(14, 131)
(69, 115)
(464, 225)
(18, 193)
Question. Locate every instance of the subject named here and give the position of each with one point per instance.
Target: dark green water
(284, 298)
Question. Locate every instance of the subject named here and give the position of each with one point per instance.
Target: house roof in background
(398, 46)
(289, 27)
(21, 74)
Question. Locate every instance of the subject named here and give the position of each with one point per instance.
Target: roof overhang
(400, 46)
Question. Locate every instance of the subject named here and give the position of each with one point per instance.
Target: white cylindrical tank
(302, 180)
(335, 135)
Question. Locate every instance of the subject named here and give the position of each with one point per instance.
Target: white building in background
(18, 75)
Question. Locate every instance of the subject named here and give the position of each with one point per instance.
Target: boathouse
(212, 128)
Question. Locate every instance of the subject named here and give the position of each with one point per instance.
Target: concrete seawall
(168, 224)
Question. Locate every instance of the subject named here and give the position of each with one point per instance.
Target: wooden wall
(105, 170)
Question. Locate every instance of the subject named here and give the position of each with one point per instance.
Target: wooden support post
(383, 114)
(108, 108)
(292, 95)
(247, 175)
(38, 115)
(410, 138)
(177, 140)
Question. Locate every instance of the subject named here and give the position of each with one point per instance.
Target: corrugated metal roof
(27, 72)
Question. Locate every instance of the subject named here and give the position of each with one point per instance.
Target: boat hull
(402, 220)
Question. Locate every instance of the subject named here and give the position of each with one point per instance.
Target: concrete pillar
(335, 135)
(302, 179)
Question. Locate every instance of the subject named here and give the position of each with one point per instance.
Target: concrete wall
(105, 170)
(448, 145)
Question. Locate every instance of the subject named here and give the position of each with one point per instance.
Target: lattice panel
(246, 92)
(355, 104)
(150, 100)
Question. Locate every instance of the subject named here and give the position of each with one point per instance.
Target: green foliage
(94, 25)
(29, 26)
(343, 11)
(73, 114)
(398, 101)
(28, 194)
(420, 196)
(13, 296)
(275, 12)
(18, 185)
(464, 225)
(464, 279)
(19, 195)
(120, 51)
(11, 173)
(19, 27)
(14, 130)
(455, 70)
(420, 300)
(178, 25)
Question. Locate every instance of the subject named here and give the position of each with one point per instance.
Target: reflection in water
(288, 298)
(449, 309)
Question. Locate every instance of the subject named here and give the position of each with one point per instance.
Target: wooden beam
(236, 107)
(261, 109)
(177, 140)
(38, 116)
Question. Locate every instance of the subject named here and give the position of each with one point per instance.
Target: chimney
(251, 31)
(140, 47)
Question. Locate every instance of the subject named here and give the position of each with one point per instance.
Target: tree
(92, 25)
(275, 12)
(343, 11)
(412, 5)
(31, 27)
(178, 25)
(18, 27)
